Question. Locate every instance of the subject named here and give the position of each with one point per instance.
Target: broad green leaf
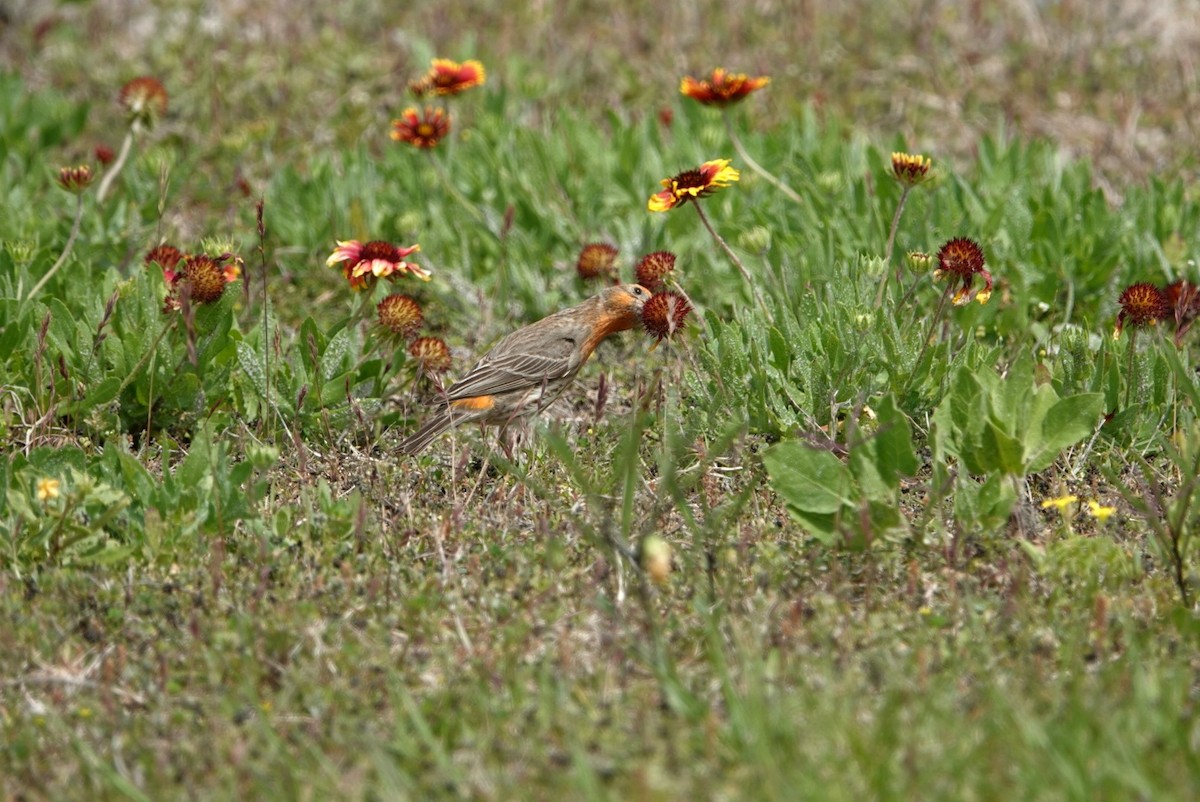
(1003, 452)
(1069, 421)
(103, 392)
(809, 479)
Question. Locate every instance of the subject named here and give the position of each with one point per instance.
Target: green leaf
(895, 456)
(334, 355)
(251, 362)
(822, 526)
(1068, 422)
(103, 392)
(999, 451)
(808, 479)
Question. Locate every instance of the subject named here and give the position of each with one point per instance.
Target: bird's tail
(439, 422)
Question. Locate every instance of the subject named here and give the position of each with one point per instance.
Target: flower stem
(752, 164)
(62, 257)
(937, 318)
(1130, 379)
(891, 243)
(762, 304)
(170, 324)
(112, 172)
(454, 191)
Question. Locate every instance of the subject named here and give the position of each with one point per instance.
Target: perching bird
(527, 370)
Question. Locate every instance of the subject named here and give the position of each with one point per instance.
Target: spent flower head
(1183, 298)
(363, 264)
(1142, 304)
(597, 260)
(104, 154)
(447, 77)
(144, 100)
(421, 129)
(206, 276)
(664, 314)
(75, 179)
(653, 268)
(911, 169)
(721, 88)
(693, 184)
(165, 256)
(962, 258)
(400, 315)
(431, 354)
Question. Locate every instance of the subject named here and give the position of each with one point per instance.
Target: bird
(528, 369)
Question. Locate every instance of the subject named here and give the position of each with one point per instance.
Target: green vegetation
(918, 549)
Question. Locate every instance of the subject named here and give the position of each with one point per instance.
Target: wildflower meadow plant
(400, 315)
(448, 77)
(653, 268)
(664, 314)
(689, 187)
(363, 264)
(910, 171)
(431, 354)
(426, 128)
(145, 102)
(421, 129)
(721, 90)
(74, 180)
(1143, 305)
(597, 260)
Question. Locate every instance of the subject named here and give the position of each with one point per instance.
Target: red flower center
(1143, 303)
(378, 249)
(691, 179)
(961, 257)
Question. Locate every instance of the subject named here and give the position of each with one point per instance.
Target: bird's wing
(508, 369)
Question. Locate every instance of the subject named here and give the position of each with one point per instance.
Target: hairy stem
(891, 243)
(753, 165)
(762, 304)
(111, 174)
(62, 257)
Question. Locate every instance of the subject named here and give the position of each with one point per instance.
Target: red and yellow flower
(963, 258)
(910, 169)
(75, 179)
(363, 264)
(421, 130)
(721, 88)
(692, 184)
(447, 77)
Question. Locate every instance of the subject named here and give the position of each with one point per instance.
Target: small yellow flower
(1100, 512)
(48, 489)
(1061, 503)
